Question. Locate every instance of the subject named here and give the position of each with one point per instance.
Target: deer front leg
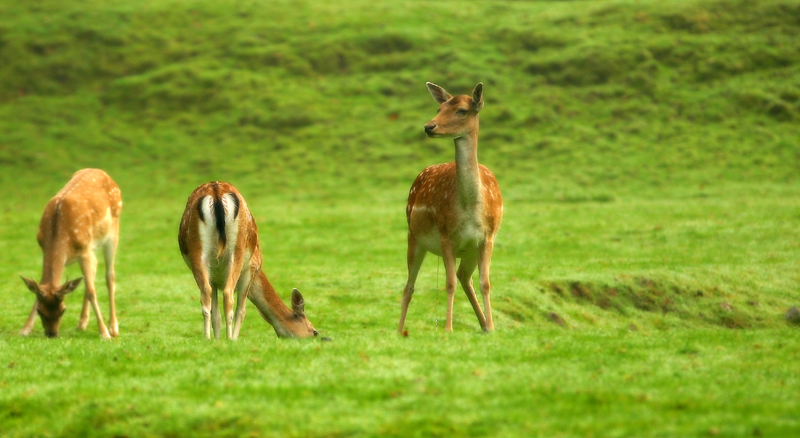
(83, 320)
(88, 264)
(449, 259)
(216, 320)
(234, 272)
(26, 329)
(464, 274)
(415, 257)
(484, 263)
(228, 303)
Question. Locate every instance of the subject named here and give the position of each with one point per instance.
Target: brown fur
(454, 209)
(82, 215)
(233, 264)
(436, 186)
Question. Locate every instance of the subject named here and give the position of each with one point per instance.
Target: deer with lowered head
(454, 209)
(81, 217)
(218, 240)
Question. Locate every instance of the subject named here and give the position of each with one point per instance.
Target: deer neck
(468, 181)
(269, 304)
(53, 263)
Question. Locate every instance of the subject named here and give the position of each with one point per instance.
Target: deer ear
(69, 286)
(32, 285)
(440, 95)
(298, 303)
(477, 96)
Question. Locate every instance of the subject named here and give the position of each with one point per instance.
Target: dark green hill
(582, 97)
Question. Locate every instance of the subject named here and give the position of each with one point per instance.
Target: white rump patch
(231, 223)
(207, 228)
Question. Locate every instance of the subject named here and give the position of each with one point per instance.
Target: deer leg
(415, 257)
(109, 251)
(88, 264)
(464, 274)
(216, 320)
(242, 289)
(484, 263)
(234, 272)
(83, 320)
(228, 302)
(26, 329)
(449, 259)
(206, 293)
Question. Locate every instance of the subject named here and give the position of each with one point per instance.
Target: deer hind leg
(109, 252)
(234, 272)
(26, 329)
(88, 264)
(464, 274)
(449, 259)
(484, 263)
(242, 287)
(415, 257)
(206, 300)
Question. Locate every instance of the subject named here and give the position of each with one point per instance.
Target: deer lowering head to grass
(82, 216)
(454, 209)
(218, 239)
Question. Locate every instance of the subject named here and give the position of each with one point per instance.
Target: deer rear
(218, 240)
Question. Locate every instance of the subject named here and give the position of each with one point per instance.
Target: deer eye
(461, 112)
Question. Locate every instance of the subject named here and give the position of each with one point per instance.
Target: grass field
(649, 157)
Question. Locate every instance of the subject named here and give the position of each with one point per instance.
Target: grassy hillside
(612, 96)
(649, 161)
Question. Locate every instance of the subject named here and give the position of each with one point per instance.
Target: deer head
(457, 116)
(50, 303)
(297, 325)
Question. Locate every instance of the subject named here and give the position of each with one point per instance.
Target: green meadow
(649, 158)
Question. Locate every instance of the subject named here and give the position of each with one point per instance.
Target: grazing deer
(82, 216)
(218, 240)
(454, 209)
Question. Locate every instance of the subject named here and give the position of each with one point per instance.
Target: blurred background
(584, 99)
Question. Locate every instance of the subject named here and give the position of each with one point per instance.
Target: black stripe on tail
(219, 212)
(219, 215)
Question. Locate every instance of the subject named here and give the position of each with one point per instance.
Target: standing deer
(82, 216)
(218, 240)
(454, 209)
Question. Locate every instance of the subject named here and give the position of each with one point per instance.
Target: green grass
(648, 157)
(521, 383)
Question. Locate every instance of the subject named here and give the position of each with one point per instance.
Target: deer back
(217, 225)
